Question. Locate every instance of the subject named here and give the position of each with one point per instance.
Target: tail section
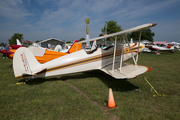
(94, 45)
(75, 47)
(172, 48)
(131, 40)
(18, 42)
(25, 64)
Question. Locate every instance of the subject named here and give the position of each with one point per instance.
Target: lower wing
(127, 70)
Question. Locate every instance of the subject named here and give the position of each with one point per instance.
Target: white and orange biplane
(111, 60)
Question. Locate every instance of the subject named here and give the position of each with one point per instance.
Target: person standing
(6, 50)
(3, 48)
(7, 47)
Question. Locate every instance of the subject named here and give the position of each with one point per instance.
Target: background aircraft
(161, 48)
(42, 54)
(12, 49)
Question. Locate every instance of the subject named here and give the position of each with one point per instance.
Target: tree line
(112, 27)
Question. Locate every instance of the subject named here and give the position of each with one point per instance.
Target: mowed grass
(85, 95)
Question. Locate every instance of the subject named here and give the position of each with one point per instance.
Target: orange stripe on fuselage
(49, 55)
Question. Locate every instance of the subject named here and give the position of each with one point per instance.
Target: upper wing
(144, 26)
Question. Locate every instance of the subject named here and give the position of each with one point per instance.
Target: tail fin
(18, 42)
(94, 45)
(75, 47)
(172, 47)
(131, 40)
(24, 63)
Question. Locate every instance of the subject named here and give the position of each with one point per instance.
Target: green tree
(112, 27)
(18, 36)
(2, 44)
(146, 34)
(81, 39)
(37, 41)
(68, 42)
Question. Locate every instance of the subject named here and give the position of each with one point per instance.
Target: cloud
(64, 19)
(68, 17)
(103, 6)
(13, 9)
(62, 16)
(139, 9)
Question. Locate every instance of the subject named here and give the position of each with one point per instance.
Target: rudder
(24, 63)
(75, 47)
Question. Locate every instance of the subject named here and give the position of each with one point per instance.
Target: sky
(64, 19)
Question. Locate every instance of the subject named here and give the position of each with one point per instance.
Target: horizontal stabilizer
(127, 70)
(25, 63)
(37, 51)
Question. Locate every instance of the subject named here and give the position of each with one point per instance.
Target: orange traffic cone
(111, 102)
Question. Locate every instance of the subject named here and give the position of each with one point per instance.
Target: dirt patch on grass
(102, 108)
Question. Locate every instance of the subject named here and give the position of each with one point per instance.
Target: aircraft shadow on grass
(110, 82)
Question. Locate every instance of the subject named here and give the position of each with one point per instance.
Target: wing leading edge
(141, 27)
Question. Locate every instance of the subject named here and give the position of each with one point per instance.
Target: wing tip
(148, 68)
(154, 24)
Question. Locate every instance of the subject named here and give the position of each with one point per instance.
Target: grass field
(85, 95)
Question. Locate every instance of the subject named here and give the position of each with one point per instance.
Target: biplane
(111, 60)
